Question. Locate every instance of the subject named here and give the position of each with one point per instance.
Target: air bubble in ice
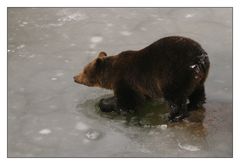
(53, 78)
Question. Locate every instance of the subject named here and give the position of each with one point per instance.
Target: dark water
(51, 116)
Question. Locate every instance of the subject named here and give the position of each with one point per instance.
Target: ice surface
(82, 126)
(51, 116)
(125, 33)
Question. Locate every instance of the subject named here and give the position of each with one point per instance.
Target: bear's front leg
(127, 98)
(108, 104)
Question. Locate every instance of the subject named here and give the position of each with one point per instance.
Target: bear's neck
(109, 72)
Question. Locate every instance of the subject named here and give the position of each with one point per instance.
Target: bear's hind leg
(178, 110)
(197, 98)
(176, 96)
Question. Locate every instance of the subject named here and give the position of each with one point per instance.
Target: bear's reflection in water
(154, 114)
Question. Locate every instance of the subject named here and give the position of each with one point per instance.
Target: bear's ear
(102, 54)
(99, 61)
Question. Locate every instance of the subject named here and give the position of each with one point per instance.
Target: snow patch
(126, 33)
(162, 127)
(92, 46)
(32, 56)
(93, 135)
(73, 17)
(21, 46)
(188, 147)
(45, 131)
(160, 19)
(109, 24)
(38, 138)
(96, 39)
(21, 89)
(72, 44)
(53, 106)
(188, 15)
(85, 141)
(59, 74)
(66, 61)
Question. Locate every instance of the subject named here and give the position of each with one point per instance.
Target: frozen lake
(51, 116)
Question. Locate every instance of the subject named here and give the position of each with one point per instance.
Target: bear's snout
(76, 79)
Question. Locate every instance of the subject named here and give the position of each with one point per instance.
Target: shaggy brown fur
(174, 68)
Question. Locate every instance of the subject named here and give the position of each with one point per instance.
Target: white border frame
(117, 3)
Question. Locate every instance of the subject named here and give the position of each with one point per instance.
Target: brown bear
(174, 68)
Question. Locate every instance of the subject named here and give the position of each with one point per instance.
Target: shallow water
(51, 116)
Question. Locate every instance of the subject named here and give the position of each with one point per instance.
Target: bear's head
(90, 75)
